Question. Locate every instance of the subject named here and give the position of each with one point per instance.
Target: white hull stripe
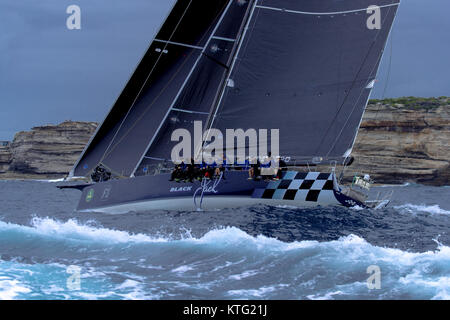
(322, 13)
(209, 203)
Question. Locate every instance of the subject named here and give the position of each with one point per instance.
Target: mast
(123, 136)
(233, 57)
(199, 95)
(182, 88)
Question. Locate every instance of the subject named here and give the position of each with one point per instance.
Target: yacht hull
(232, 190)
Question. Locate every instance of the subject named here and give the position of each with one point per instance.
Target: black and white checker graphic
(300, 186)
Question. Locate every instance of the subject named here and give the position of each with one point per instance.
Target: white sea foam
(406, 184)
(326, 296)
(255, 293)
(286, 206)
(182, 269)
(11, 288)
(423, 274)
(50, 180)
(413, 208)
(243, 275)
(73, 230)
(128, 284)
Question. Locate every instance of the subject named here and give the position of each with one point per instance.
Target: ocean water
(48, 251)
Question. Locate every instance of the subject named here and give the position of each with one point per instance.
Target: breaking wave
(413, 208)
(223, 263)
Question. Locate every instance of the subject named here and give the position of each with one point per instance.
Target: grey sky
(49, 74)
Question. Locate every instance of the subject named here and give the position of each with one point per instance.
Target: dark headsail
(307, 68)
(143, 105)
(202, 91)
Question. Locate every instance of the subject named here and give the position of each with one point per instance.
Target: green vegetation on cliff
(414, 102)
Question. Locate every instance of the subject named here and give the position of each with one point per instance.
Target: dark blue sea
(48, 251)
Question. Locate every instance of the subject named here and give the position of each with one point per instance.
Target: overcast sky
(49, 74)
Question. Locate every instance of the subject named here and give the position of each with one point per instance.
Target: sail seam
(322, 13)
(180, 44)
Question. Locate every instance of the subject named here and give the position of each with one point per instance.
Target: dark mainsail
(307, 68)
(143, 105)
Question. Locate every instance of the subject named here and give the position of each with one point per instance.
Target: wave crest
(413, 208)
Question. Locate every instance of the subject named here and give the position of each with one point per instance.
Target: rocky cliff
(400, 140)
(5, 159)
(405, 140)
(45, 152)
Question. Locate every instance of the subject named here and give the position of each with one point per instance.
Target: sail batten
(305, 69)
(198, 97)
(182, 88)
(123, 136)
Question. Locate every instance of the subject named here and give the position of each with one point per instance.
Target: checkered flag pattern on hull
(300, 186)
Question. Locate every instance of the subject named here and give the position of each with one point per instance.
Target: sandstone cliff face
(405, 144)
(5, 159)
(400, 140)
(49, 150)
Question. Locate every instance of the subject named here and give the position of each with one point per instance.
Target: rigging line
(151, 104)
(324, 13)
(230, 64)
(105, 154)
(189, 111)
(389, 67)
(222, 15)
(354, 141)
(385, 87)
(160, 93)
(348, 94)
(223, 65)
(378, 62)
(236, 61)
(113, 171)
(98, 129)
(386, 84)
(180, 44)
(343, 103)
